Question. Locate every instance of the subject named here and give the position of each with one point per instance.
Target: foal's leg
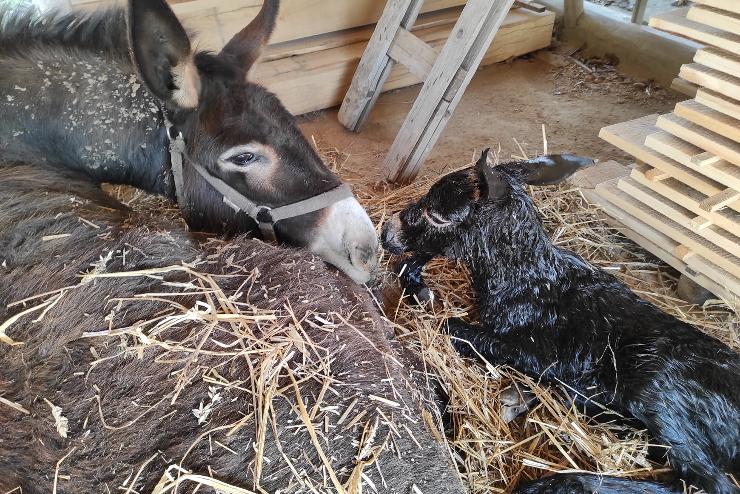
(410, 277)
(472, 340)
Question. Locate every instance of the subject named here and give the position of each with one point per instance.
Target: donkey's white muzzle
(346, 238)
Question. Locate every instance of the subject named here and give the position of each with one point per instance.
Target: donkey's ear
(493, 185)
(246, 46)
(551, 169)
(162, 54)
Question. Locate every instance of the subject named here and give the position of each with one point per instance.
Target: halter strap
(265, 216)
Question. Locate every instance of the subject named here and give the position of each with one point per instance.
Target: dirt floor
(505, 102)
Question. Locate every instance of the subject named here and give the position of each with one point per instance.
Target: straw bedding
(492, 453)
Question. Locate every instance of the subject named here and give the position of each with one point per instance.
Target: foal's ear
(551, 169)
(162, 53)
(246, 46)
(493, 184)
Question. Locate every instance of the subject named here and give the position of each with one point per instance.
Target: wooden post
(573, 12)
(444, 87)
(376, 63)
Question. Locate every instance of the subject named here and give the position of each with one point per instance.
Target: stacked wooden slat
(682, 198)
(317, 44)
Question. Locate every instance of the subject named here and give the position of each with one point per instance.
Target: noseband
(265, 216)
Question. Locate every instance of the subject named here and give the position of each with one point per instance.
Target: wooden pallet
(683, 197)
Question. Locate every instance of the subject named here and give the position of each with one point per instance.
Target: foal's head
(241, 134)
(475, 211)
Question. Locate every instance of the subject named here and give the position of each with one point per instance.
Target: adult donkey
(83, 93)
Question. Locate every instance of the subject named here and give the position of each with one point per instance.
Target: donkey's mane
(24, 29)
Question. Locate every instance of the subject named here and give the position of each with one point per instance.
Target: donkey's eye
(243, 159)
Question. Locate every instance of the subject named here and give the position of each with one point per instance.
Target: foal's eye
(243, 159)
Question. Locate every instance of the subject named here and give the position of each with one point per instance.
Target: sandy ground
(504, 102)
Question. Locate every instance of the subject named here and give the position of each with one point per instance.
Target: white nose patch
(347, 239)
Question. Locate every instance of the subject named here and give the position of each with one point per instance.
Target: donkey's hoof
(424, 296)
(514, 403)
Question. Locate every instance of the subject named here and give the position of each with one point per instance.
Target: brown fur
(54, 362)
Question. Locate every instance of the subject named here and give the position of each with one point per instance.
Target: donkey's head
(240, 135)
(474, 211)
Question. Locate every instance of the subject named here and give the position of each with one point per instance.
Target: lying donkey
(122, 97)
(548, 313)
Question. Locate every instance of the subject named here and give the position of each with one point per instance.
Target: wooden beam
(445, 86)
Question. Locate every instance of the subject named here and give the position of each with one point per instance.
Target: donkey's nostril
(363, 258)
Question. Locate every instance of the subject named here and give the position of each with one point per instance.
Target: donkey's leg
(411, 279)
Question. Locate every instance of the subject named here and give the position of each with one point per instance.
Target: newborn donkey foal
(548, 313)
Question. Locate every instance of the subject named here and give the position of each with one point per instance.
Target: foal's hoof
(514, 403)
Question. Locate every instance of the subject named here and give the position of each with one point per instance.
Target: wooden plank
(297, 19)
(707, 140)
(320, 79)
(677, 149)
(675, 22)
(413, 53)
(717, 101)
(443, 89)
(715, 80)
(664, 247)
(533, 6)
(684, 87)
(718, 59)
(633, 136)
(682, 216)
(665, 225)
(729, 5)
(346, 37)
(710, 119)
(717, 18)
